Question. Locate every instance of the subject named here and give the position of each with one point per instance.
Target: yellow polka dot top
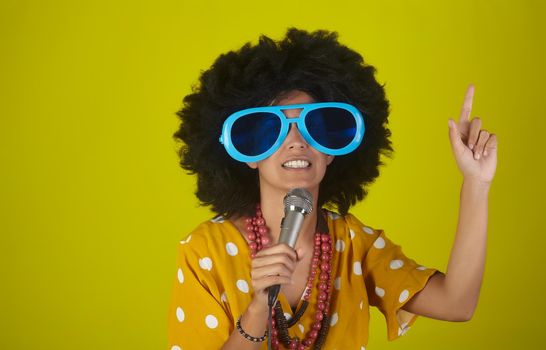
(212, 286)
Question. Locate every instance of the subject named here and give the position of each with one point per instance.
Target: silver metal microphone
(298, 202)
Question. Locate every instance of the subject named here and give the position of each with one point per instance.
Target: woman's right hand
(271, 265)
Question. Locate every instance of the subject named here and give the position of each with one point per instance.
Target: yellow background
(93, 202)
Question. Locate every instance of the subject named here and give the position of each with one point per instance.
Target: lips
(296, 164)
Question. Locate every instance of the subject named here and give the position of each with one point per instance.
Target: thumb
(457, 144)
(299, 254)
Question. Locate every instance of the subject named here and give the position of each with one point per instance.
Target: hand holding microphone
(273, 266)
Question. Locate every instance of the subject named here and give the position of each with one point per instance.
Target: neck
(273, 212)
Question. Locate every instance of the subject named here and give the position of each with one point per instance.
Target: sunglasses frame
(225, 137)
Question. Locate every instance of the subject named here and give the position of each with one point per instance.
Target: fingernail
(485, 153)
(471, 146)
(477, 156)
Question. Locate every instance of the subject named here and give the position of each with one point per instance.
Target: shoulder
(348, 229)
(209, 246)
(210, 235)
(350, 224)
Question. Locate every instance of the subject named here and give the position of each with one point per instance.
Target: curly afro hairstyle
(315, 63)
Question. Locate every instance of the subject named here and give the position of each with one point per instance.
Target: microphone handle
(290, 229)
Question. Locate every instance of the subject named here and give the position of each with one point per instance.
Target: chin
(301, 184)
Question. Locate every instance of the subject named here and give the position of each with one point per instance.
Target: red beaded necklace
(257, 234)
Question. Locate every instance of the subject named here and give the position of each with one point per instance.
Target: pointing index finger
(467, 105)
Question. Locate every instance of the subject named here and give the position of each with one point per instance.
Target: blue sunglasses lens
(331, 127)
(255, 133)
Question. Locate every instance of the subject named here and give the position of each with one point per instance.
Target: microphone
(298, 202)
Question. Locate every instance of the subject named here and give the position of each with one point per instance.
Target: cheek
(325, 160)
(266, 169)
(321, 167)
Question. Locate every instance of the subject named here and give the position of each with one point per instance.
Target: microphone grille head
(299, 198)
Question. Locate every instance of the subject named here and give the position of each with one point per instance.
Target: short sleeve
(391, 279)
(197, 318)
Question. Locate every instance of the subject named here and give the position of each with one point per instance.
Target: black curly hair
(315, 63)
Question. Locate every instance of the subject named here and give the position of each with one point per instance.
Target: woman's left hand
(474, 149)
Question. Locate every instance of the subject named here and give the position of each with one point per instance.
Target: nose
(294, 140)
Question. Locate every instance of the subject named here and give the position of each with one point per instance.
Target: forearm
(254, 323)
(467, 260)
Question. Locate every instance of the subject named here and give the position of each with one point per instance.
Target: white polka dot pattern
(205, 263)
(361, 248)
(211, 321)
(403, 296)
(396, 264)
(231, 249)
(368, 230)
(340, 245)
(357, 268)
(379, 243)
(180, 314)
(380, 292)
(333, 319)
(180, 276)
(337, 283)
(242, 285)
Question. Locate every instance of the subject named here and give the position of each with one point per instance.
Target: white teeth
(296, 164)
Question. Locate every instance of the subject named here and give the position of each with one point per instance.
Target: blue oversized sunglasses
(253, 134)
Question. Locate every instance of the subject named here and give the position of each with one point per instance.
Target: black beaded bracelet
(248, 336)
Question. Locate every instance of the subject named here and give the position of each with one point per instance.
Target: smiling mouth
(296, 164)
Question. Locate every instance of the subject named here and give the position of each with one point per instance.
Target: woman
(339, 265)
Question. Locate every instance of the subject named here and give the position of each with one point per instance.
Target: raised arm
(454, 296)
